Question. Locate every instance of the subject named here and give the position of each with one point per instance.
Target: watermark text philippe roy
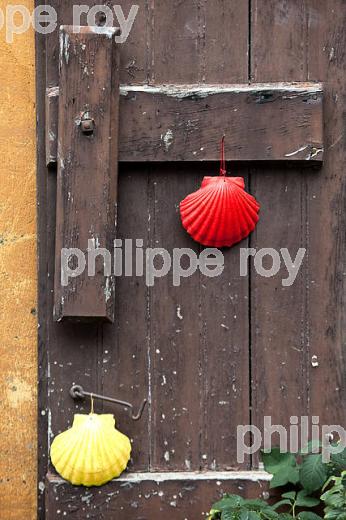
(17, 19)
(130, 258)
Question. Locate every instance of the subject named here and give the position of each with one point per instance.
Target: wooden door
(212, 353)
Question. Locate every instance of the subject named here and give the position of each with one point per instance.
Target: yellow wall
(18, 327)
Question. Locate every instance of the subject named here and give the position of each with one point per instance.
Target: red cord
(223, 170)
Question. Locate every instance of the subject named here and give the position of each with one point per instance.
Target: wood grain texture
(225, 398)
(325, 226)
(201, 362)
(301, 329)
(176, 364)
(278, 314)
(87, 173)
(125, 361)
(149, 498)
(262, 122)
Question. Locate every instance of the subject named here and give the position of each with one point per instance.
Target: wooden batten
(86, 170)
(272, 122)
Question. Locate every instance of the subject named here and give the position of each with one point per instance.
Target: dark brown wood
(126, 343)
(300, 330)
(176, 357)
(148, 497)
(261, 122)
(185, 391)
(279, 346)
(87, 170)
(326, 221)
(271, 342)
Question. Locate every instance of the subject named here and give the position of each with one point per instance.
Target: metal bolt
(88, 126)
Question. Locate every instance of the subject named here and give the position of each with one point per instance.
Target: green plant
(234, 507)
(303, 475)
(335, 498)
(305, 470)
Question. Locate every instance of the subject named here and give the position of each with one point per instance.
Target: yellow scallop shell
(92, 452)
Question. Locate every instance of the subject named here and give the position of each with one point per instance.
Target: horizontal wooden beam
(261, 122)
(174, 496)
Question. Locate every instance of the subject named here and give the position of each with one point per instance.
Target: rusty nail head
(87, 126)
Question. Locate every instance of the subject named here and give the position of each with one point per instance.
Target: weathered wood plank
(187, 346)
(125, 361)
(326, 220)
(224, 303)
(263, 122)
(146, 496)
(279, 346)
(176, 376)
(87, 170)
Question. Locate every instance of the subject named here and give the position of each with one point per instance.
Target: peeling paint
(297, 151)
(168, 139)
(202, 91)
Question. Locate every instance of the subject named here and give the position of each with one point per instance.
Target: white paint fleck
(108, 289)
(314, 153)
(314, 361)
(179, 315)
(87, 498)
(168, 139)
(296, 151)
(106, 30)
(166, 456)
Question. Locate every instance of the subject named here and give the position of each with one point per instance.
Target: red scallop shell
(221, 213)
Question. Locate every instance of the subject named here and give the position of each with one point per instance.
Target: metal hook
(77, 392)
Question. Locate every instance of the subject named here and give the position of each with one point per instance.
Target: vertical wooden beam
(326, 219)
(278, 314)
(87, 171)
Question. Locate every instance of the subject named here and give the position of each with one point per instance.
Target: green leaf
(275, 461)
(256, 504)
(244, 515)
(214, 515)
(254, 516)
(285, 516)
(269, 514)
(339, 460)
(304, 500)
(285, 502)
(286, 475)
(308, 515)
(291, 495)
(332, 515)
(228, 502)
(227, 514)
(313, 473)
